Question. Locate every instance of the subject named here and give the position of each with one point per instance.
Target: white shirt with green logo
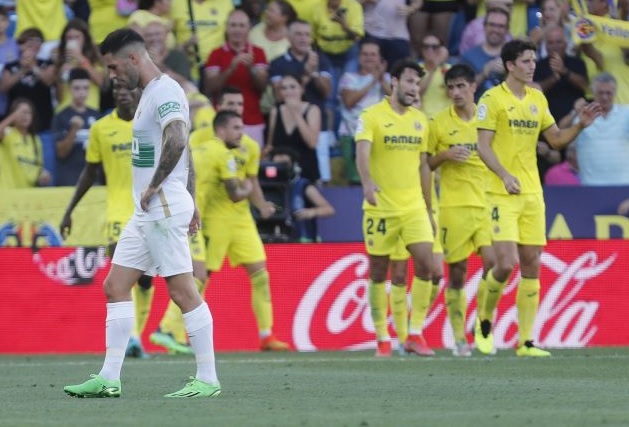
(163, 101)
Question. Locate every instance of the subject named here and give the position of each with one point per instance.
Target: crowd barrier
(31, 217)
(51, 299)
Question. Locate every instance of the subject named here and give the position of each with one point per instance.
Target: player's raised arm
(559, 138)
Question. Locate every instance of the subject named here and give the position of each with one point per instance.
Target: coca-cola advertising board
(51, 301)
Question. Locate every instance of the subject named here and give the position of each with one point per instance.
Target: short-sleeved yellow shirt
(397, 141)
(110, 144)
(517, 124)
(328, 34)
(460, 184)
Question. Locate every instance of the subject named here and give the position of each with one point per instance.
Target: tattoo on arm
(231, 185)
(191, 175)
(174, 141)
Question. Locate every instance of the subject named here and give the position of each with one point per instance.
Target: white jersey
(163, 100)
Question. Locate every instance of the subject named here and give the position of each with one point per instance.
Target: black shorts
(432, 6)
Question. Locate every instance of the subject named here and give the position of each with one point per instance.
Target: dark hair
(406, 63)
(228, 90)
(499, 10)
(285, 151)
(223, 117)
(89, 48)
(4, 11)
(369, 40)
(32, 129)
(78, 74)
(121, 38)
(146, 4)
(460, 71)
(513, 49)
(286, 9)
(30, 33)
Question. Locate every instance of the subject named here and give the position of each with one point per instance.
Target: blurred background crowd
(332, 55)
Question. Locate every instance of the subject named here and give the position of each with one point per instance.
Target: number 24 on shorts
(381, 226)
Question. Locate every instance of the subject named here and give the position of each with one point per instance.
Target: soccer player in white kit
(155, 240)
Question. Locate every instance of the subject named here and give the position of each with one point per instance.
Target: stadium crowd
(53, 84)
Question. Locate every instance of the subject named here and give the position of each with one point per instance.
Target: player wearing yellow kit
(392, 139)
(398, 271)
(203, 146)
(511, 117)
(463, 221)
(228, 180)
(109, 146)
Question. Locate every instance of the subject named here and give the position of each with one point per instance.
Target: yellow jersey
(211, 19)
(104, 18)
(517, 124)
(110, 144)
(329, 34)
(435, 98)
(215, 164)
(397, 141)
(48, 16)
(303, 8)
(21, 159)
(461, 183)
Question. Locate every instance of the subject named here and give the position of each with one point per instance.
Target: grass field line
(327, 360)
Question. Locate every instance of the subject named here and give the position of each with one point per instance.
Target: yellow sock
(420, 303)
(481, 297)
(434, 291)
(456, 306)
(399, 309)
(527, 301)
(494, 292)
(261, 300)
(142, 300)
(379, 304)
(172, 321)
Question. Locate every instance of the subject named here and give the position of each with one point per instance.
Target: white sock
(120, 320)
(200, 332)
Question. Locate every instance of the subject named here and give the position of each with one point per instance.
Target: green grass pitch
(585, 387)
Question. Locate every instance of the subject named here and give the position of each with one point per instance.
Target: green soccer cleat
(483, 337)
(168, 341)
(528, 349)
(196, 388)
(96, 386)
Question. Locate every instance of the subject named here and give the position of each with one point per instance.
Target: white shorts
(156, 247)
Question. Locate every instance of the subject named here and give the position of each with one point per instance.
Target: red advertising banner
(51, 301)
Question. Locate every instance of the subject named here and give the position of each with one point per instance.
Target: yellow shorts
(463, 231)
(518, 218)
(197, 247)
(239, 241)
(400, 253)
(384, 234)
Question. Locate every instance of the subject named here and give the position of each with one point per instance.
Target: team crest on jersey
(418, 126)
(534, 109)
(231, 165)
(496, 230)
(370, 242)
(482, 112)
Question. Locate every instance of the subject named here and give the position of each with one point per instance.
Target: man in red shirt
(243, 65)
